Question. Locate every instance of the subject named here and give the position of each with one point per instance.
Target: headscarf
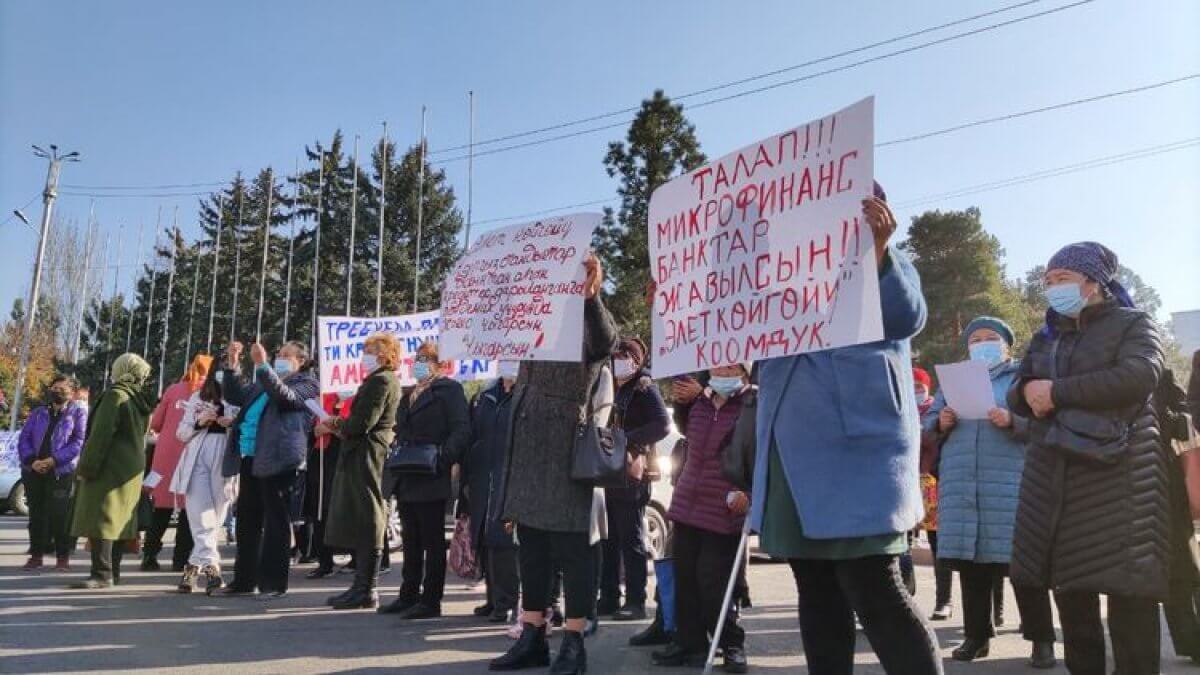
(194, 376)
(633, 347)
(1096, 262)
(130, 369)
(1003, 329)
(921, 376)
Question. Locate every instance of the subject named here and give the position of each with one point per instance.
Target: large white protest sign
(517, 293)
(764, 252)
(340, 340)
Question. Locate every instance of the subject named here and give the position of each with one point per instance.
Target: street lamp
(17, 213)
(48, 197)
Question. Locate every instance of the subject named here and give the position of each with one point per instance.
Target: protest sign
(517, 293)
(967, 388)
(340, 340)
(765, 252)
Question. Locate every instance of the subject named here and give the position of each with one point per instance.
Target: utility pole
(49, 194)
(420, 217)
(87, 259)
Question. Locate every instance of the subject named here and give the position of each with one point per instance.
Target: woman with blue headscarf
(1092, 518)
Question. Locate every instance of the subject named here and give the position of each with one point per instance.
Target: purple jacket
(64, 445)
(699, 498)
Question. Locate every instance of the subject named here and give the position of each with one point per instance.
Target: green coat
(111, 466)
(357, 516)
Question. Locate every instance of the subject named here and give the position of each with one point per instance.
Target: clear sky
(168, 93)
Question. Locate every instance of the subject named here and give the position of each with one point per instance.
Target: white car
(12, 490)
(657, 526)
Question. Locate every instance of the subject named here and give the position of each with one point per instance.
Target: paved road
(144, 627)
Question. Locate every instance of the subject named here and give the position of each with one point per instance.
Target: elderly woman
(1093, 513)
(978, 481)
(110, 471)
(433, 413)
(357, 515)
(551, 512)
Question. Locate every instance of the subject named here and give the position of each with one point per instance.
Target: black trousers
(276, 492)
(979, 583)
(542, 554)
(158, 529)
(832, 592)
(106, 559)
(703, 562)
(423, 575)
(502, 575)
(1132, 623)
(943, 576)
(625, 547)
(249, 529)
(49, 500)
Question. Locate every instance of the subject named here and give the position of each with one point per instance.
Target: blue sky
(166, 93)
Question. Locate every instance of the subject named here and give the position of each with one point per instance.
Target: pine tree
(660, 145)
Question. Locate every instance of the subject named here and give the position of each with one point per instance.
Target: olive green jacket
(111, 466)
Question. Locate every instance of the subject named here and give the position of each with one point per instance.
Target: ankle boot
(530, 651)
(654, 634)
(1042, 656)
(971, 649)
(572, 657)
(362, 594)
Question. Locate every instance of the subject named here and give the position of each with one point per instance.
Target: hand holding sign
(883, 224)
(595, 276)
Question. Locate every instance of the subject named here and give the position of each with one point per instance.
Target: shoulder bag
(598, 456)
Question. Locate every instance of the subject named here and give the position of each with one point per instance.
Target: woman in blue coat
(837, 459)
(979, 483)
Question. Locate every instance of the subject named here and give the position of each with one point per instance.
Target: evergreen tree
(660, 145)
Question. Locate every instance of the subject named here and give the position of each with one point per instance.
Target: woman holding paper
(199, 482)
(979, 476)
(1093, 517)
(357, 515)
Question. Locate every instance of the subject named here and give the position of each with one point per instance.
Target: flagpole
(153, 284)
(137, 271)
(470, 163)
(353, 223)
(113, 301)
(166, 332)
(317, 248)
(420, 216)
(382, 209)
(237, 263)
(96, 333)
(287, 294)
(87, 248)
(212, 301)
(262, 275)
(187, 343)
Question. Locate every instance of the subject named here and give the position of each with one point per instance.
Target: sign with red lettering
(765, 252)
(517, 293)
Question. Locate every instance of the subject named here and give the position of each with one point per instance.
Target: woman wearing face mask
(1093, 513)
(708, 512)
(978, 480)
(930, 455)
(273, 431)
(434, 412)
(640, 411)
(357, 515)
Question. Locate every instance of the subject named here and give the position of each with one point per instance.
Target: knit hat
(633, 347)
(130, 369)
(992, 323)
(921, 376)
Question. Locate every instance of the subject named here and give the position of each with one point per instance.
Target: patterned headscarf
(196, 372)
(1096, 262)
(130, 369)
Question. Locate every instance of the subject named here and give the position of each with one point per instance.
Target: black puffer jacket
(1083, 525)
(439, 416)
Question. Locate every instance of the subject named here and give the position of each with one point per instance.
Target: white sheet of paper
(967, 387)
(152, 479)
(316, 409)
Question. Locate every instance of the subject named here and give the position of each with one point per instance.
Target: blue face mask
(219, 376)
(1066, 299)
(420, 370)
(283, 367)
(725, 386)
(990, 352)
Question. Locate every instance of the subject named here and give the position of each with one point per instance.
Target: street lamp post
(48, 197)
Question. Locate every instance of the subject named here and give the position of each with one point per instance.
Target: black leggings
(543, 552)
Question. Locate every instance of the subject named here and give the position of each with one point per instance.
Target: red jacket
(700, 493)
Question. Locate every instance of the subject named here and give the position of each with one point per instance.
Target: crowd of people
(1069, 487)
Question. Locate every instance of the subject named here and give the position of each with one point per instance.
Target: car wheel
(657, 530)
(393, 525)
(16, 500)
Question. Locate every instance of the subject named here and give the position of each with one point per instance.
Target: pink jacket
(169, 448)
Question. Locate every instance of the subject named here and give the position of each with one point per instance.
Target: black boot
(572, 657)
(530, 651)
(653, 636)
(362, 594)
(1042, 656)
(970, 650)
(398, 606)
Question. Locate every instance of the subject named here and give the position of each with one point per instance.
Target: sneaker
(942, 613)
(34, 563)
(187, 583)
(213, 581)
(63, 564)
(734, 660)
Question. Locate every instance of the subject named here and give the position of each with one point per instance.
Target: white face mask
(624, 369)
(369, 362)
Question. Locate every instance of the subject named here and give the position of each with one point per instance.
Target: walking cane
(733, 576)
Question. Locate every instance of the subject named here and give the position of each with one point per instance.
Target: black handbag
(598, 457)
(414, 459)
(1084, 434)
